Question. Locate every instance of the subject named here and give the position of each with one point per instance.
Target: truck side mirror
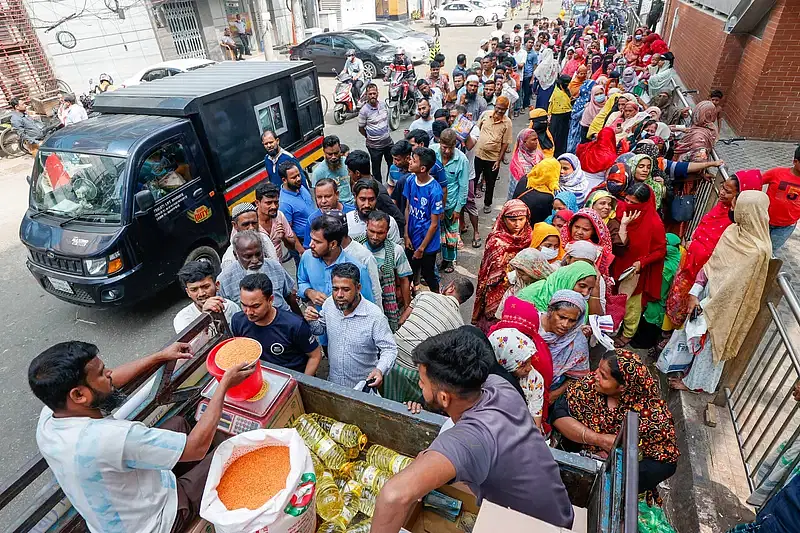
(144, 201)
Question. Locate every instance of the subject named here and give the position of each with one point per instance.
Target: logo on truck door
(201, 214)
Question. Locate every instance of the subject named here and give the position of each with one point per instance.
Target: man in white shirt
(355, 68)
(118, 473)
(74, 112)
(366, 192)
(241, 32)
(244, 217)
(425, 120)
(199, 281)
(498, 33)
(432, 94)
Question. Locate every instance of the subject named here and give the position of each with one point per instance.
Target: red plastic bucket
(247, 388)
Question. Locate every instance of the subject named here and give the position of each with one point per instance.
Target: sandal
(477, 242)
(487, 209)
(621, 341)
(449, 269)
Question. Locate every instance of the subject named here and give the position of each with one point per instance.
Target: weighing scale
(240, 416)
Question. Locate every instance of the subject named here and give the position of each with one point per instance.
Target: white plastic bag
(292, 510)
(696, 334)
(676, 356)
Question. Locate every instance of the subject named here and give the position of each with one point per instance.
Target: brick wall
(760, 76)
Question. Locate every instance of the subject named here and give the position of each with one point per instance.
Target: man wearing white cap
(483, 49)
(244, 216)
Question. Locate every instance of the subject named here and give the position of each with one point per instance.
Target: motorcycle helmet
(350, 52)
(400, 52)
(106, 77)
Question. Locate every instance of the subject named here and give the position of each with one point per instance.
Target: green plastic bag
(652, 520)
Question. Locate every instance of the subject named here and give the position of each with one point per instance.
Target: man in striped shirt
(429, 314)
(373, 124)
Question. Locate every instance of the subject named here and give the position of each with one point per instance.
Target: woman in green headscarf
(654, 312)
(605, 205)
(640, 166)
(579, 277)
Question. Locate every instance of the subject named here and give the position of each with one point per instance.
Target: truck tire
(480, 21)
(370, 69)
(205, 253)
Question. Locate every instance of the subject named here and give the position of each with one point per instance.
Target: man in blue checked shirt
(361, 346)
(118, 473)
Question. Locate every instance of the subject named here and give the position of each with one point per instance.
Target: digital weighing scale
(279, 406)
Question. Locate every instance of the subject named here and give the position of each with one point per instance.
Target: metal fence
(762, 406)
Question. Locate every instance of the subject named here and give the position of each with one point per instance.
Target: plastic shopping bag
(291, 510)
(653, 520)
(676, 356)
(696, 334)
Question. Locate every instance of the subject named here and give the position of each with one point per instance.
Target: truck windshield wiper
(79, 215)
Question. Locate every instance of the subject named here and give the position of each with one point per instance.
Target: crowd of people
(600, 192)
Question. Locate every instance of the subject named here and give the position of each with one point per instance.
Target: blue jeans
(526, 92)
(780, 234)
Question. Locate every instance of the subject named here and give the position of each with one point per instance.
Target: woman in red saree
(704, 240)
(599, 155)
(511, 233)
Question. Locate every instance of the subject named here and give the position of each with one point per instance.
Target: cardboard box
(493, 518)
(291, 408)
(425, 521)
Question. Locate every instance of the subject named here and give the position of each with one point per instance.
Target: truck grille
(62, 264)
(79, 296)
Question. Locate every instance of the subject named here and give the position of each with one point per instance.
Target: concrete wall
(105, 43)
(760, 75)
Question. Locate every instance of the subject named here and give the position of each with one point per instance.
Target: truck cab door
(187, 209)
(305, 88)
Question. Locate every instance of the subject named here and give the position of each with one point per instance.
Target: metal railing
(762, 407)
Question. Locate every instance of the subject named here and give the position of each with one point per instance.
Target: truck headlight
(103, 265)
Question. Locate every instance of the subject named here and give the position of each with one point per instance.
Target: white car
(498, 9)
(166, 68)
(415, 48)
(465, 13)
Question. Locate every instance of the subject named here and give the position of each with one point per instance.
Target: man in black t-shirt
(285, 337)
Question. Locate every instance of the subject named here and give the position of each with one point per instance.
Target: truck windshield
(78, 186)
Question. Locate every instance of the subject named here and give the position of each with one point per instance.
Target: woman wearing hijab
(527, 154)
(592, 411)
(705, 239)
(633, 49)
(577, 81)
(523, 317)
(597, 62)
(539, 124)
(545, 76)
(586, 225)
(561, 327)
(661, 74)
(608, 58)
(511, 233)
(598, 156)
(564, 200)
(573, 178)
(560, 111)
(579, 276)
(703, 131)
(573, 65)
(514, 351)
(537, 191)
(599, 120)
(605, 204)
(670, 112)
(576, 133)
(630, 115)
(528, 266)
(728, 289)
(588, 253)
(595, 103)
(547, 239)
(629, 80)
(641, 168)
(644, 251)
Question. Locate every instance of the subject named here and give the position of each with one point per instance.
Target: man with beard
(121, 470)
(489, 93)
(433, 95)
(456, 168)
(358, 166)
(295, 201)
(367, 191)
(244, 216)
(285, 337)
(333, 168)
(471, 100)
(437, 79)
(327, 196)
(395, 271)
(495, 137)
(275, 156)
(199, 281)
(250, 259)
(373, 124)
(362, 347)
(425, 120)
(272, 222)
(493, 445)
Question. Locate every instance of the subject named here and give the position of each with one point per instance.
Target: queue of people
(592, 225)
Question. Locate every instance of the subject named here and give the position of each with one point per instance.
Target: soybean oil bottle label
(336, 431)
(325, 445)
(398, 463)
(369, 475)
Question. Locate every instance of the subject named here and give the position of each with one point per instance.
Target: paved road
(33, 320)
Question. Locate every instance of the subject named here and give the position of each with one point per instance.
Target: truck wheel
(370, 69)
(443, 22)
(207, 254)
(480, 21)
(339, 114)
(394, 117)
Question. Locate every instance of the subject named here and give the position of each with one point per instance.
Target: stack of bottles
(348, 481)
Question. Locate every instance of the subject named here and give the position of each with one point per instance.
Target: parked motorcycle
(402, 99)
(344, 107)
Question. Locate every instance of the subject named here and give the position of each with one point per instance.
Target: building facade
(747, 49)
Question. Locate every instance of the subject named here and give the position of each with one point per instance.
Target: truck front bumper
(102, 291)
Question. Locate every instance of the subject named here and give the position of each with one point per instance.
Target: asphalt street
(32, 320)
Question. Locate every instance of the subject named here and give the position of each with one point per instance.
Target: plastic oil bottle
(366, 504)
(346, 484)
(387, 459)
(330, 527)
(319, 467)
(329, 499)
(320, 443)
(370, 476)
(363, 527)
(348, 435)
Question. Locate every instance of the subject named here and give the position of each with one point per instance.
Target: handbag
(682, 208)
